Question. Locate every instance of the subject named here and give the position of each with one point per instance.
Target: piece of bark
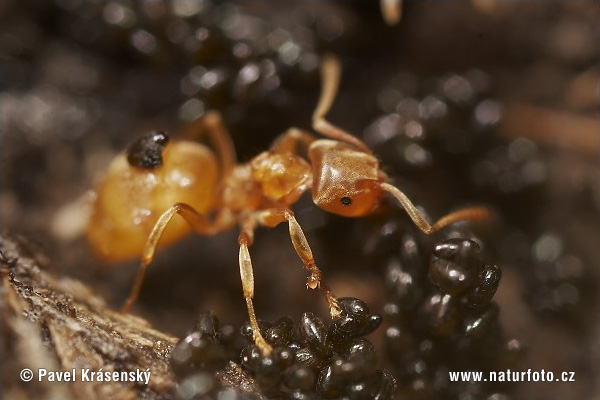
(59, 324)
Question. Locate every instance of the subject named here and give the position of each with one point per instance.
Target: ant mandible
(213, 193)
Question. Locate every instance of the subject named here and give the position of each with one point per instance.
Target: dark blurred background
(464, 103)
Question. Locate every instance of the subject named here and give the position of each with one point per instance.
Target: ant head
(346, 181)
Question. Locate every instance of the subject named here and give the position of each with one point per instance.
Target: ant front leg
(198, 222)
(275, 216)
(245, 239)
(466, 214)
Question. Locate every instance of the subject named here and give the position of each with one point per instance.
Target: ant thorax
(239, 191)
(270, 178)
(283, 177)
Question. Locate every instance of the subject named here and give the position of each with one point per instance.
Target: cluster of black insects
(442, 318)
(449, 123)
(202, 56)
(441, 315)
(309, 359)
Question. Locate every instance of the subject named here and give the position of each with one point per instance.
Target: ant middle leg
(477, 213)
(198, 222)
(212, 124)
(245, 239)
(275, 216)
(289, 140)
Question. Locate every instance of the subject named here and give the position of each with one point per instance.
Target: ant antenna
(466, 214)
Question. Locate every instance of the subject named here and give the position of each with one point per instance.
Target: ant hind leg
(198, 222)
(290, 139)
(212, 124)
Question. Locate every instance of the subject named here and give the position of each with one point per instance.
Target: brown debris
(553, 127)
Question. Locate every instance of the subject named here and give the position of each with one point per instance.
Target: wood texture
(60, 324)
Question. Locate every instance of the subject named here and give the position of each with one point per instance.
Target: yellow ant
(213, 193)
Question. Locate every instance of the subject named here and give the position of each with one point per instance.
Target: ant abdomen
(131, 198)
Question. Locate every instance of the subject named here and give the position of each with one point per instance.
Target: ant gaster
(143, 190)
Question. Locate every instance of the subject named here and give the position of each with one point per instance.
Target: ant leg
(330, 75)
(391, 10)
(289, 140)
(466, 214)
(198, 222)
(212, 123)
(275, 216)
(245, 239)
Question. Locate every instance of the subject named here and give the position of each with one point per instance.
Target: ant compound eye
(346, 201)
(146, 152)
